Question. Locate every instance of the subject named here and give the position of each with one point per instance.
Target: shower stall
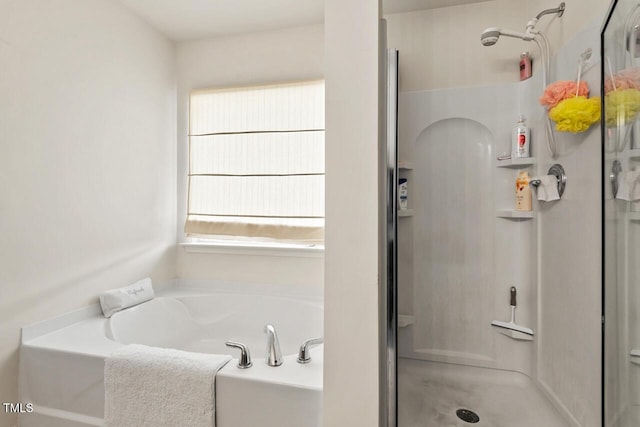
(494, 315)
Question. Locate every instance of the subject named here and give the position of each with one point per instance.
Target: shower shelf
(634, 216)
(405, 212)
(405, 320)
(632, 154)
(514, 214)
(405, 165)
(516, 163)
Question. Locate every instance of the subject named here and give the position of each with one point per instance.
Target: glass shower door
(621, 213)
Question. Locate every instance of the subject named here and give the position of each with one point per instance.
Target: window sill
(255, 249)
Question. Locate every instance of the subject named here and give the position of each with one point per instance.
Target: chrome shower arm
(559, 10)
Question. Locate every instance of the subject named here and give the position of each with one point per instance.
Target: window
(256, 163)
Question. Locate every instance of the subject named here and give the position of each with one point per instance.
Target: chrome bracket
(561, 10)
(616, 168)
(558, 171)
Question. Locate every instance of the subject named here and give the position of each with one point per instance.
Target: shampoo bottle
(523, 192)
(520, 139)
(403, 193)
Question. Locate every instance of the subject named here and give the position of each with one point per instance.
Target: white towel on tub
(158, 387)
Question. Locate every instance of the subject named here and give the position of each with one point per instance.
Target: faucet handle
(304, 355)
(245, 356)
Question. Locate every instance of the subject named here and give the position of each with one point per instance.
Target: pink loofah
(625, 79)
(561, 90)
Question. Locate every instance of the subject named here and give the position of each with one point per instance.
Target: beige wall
(351, 260)
(87, 159)
(266, 57)
(440, 48)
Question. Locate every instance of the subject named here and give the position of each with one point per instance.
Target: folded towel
(628, 186)
(547, 191)
(118, 299)
(157, 387)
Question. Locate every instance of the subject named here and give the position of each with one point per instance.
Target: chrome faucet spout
(274, 356)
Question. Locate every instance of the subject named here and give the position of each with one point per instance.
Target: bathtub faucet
(274, 357)
(304, 355)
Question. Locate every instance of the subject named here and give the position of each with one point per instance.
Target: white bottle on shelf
(520, 140)
(403, 193)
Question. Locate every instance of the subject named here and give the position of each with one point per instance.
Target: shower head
(490, 36)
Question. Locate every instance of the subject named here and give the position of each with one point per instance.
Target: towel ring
(558, 171)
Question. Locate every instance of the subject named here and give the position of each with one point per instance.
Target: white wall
(87, 161)
(258, 58)
(441, 48)
(570, 260)
(464, 254)
(351, 260)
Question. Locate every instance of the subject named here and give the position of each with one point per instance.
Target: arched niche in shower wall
(461, 252)
(454, 242)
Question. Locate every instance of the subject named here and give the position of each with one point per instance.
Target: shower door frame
(604, 183)
(603, 135)
(388, 176)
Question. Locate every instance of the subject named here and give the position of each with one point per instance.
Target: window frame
(245, 245)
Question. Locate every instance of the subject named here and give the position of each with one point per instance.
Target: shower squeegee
(512, 324)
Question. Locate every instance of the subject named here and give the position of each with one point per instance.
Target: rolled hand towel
(118, 299)
(628, 186)
(547, 191)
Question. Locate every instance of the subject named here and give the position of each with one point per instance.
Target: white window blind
(256, 162)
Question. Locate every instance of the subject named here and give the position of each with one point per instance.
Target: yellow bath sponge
(576, 114)
(621, 106)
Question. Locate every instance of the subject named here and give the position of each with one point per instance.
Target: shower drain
(467, 416)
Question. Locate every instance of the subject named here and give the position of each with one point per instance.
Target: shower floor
(430, 393)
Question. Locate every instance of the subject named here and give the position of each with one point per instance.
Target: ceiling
(183, 20)
(399, 6)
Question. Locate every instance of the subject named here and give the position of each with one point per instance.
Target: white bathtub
(62, 360)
